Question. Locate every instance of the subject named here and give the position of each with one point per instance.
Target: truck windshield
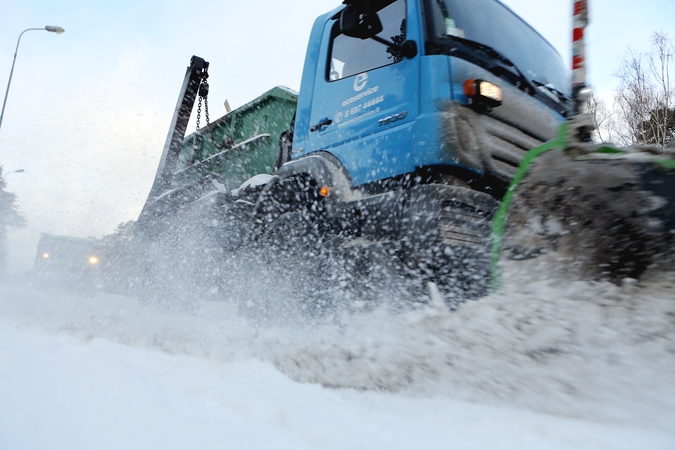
(491, 23)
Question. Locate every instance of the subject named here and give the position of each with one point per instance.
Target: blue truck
(409, 139)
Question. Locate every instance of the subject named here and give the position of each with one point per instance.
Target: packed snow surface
(544, 363)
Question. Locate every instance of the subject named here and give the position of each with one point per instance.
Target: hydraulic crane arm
(196, 72)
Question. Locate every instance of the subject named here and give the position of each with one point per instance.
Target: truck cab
(430, 90)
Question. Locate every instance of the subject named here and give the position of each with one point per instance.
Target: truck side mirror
(409, 49)
(359, 23)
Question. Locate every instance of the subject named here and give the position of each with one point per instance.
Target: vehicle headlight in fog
(93, 260)
(45, 255)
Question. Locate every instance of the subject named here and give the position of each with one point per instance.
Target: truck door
(364, 96)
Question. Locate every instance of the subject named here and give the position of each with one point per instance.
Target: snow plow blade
(607, 211)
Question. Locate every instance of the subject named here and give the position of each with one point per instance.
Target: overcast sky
(88, 110)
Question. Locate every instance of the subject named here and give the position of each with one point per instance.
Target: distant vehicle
(66, 263)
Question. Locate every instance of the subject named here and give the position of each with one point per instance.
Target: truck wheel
(451, 243)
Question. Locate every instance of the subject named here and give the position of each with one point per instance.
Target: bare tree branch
(604, 118)
(645, 109)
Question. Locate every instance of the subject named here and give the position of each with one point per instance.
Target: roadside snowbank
(585, 350)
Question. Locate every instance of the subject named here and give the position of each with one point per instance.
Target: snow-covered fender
(325, 170)
(297, 185)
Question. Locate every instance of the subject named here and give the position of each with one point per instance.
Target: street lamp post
(50, 28)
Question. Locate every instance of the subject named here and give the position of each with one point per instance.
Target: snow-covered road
(106, 372)
(61, 392)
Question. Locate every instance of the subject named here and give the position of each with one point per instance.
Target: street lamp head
(53, 29)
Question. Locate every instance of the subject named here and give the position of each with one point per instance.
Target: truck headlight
(483, 92)
(93, 260)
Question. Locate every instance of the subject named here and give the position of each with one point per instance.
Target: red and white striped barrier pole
(580, 90)
(578, 45)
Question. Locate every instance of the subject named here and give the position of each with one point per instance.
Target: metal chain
(199, 112)
(203, 91)
(206, 112)
(204, 95)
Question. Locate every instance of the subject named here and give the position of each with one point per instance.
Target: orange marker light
(470, 88)
(325, 191)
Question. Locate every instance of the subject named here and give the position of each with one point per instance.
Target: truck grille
(506, 146)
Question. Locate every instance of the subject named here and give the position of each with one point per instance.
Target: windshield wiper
(560, 96)
(520, 81)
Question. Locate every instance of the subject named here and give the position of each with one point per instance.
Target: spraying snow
(595, 352)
